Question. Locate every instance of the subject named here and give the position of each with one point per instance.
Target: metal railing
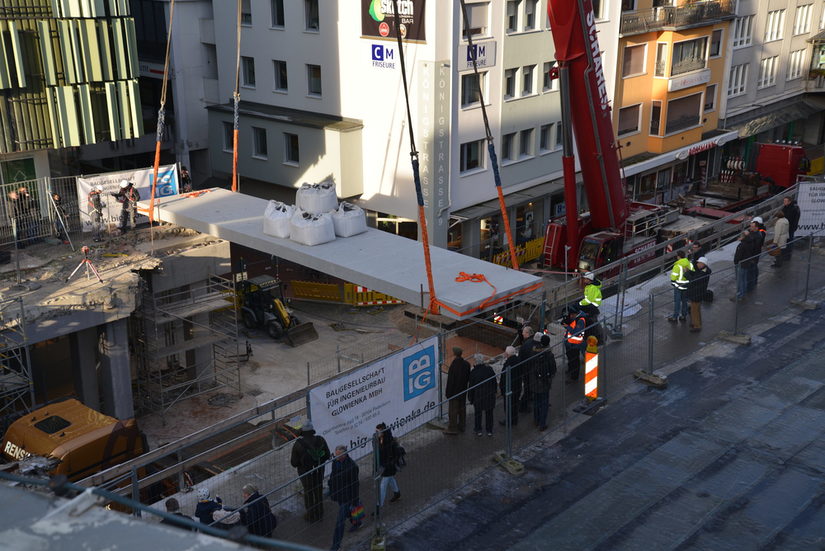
(693, 13)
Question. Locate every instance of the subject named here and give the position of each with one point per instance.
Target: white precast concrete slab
(375, 259)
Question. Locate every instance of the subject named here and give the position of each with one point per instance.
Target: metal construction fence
(35, 209)
(639, 340)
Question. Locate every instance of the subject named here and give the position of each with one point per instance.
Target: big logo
(167, 183)
(419, 373)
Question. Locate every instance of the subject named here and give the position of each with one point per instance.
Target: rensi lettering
(405, 7)
(14, 451)
(596, 55)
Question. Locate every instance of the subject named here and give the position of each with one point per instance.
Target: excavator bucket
(301, 333)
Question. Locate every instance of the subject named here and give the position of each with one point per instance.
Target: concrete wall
(192, 266)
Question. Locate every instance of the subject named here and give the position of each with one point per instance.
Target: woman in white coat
(781, 233)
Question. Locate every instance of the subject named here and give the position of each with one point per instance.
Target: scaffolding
(16, 383)
(186, 343)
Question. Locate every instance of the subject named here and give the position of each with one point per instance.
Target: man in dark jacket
(256, 514)
(791, 211)
(525, 352)
(173, 508)
(309, 453)
(343, 490)
(458, 378)
(483, 394)
(697, 287)
(541, 371)
(741, 258)
(757, 237)
(513, 365)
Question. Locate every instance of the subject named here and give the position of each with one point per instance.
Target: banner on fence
(811, 200)
(142, 179)
(400, 390)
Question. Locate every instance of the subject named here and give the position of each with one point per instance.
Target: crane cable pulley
(491, 149)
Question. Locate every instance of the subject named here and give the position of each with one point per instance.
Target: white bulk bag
(316, 198)
(349, 220)
(276, 219)
(311, 229)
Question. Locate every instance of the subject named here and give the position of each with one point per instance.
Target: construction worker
(95, 202)
(128, 198)
(574, 324)
(589, 305)
(679, 281)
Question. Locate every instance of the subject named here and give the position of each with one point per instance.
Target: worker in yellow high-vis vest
(679, 281)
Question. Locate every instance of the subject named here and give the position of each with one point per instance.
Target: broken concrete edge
(509, 464)
(651, 379)
(804, 304)
(735, 338)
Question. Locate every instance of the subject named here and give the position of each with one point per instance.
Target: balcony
(687, 65)
(692, 14)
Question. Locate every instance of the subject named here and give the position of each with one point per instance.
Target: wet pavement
(729, 456)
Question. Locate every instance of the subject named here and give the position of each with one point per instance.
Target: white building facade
(322, 97)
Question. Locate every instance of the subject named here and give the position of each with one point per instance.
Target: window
(743, 31)
(507, 142)
(259, 142)
(246, 13)
(655, 118)
(549, 84)
(248, 71)
(277, 7)
(738, 80)
(767, 72)
(478, 19)
(313, 21)
(509, 83)
(473, 87)
(513, 7)
(530, 9)
(802, 21)
(715, 43)
(314, 80)
(525, 143)
(228, 137)
(291, 150)
(796, 62)
(471, 156)
(688, 56)
(710, 98)
(545, 138)
(628, 5)
(281, 80)
(559, 143)
(629, 119)
(775, 26)
(527, 77)
(822, 20)
(683, 113)
(597, 8)
(633, 63)
(661, 59)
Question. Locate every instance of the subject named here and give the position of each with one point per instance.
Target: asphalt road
(730, 456)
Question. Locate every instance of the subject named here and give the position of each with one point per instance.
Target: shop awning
(491, 207)
(778, 117)
(680, 154)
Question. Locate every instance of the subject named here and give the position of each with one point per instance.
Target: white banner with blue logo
(400, 390)
(110, 181)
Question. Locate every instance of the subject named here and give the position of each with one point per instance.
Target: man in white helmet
(95, 202)
(128, 197)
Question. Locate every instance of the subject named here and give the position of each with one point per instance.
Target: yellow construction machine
(261, 303)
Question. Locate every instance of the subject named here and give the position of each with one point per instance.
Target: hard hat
(703, 260)
(589, 275)
(124, 184)
(203, 494)
(98, 188)
(757, 219)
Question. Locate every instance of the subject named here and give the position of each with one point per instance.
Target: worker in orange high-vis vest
(574, 325)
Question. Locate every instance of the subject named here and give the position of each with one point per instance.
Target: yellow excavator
(261, 302)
